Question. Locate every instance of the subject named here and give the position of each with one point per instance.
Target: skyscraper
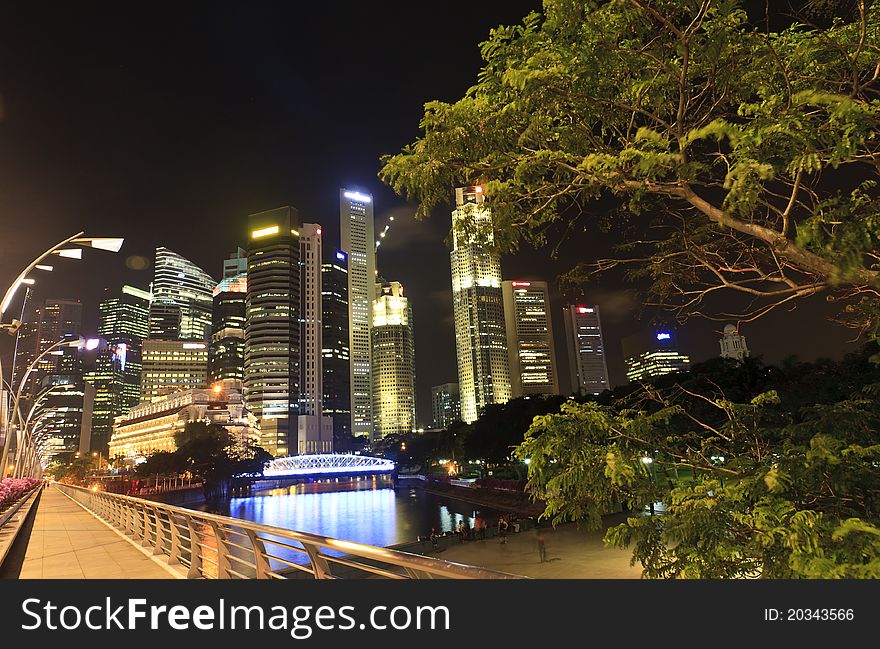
(445, 405)
(358, 243)
(314, 430)
(653, 353)
(393, 354)
(181, 306)
(59, 401)
(226, 347)
(480, 333)
(733, 344)
(236, 264)
(173, 365)
(272, 328)
(123, 325)
(586, 349)
(531, 350)
(55, 320)
(334, 346)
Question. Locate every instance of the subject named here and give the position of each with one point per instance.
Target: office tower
(358, 243)
(272, 336)
(393, 358)
(531, 350)
(226, 347)
(107, 381)
(334, 347)
(59, 319)
(124, 323)
(586, 349)
(445, 405)
(653, 353)
(480, 333)
(173, 365)
(181, 306)
(57, 417)
(236, 264)
(314, 430)
(733, 345)
(25, 344)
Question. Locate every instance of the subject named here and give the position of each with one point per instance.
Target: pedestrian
(460, 531)
(542, 545)
(467, 530)
(433, 539)
(502, 530)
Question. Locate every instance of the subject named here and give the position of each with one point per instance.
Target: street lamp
(648, 461)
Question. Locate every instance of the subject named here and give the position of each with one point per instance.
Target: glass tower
(530, 347)
(226, 348)
(358, 243)
(480, 333)
(334, 347)
(182, 297)
(394, 375)
(586, 350)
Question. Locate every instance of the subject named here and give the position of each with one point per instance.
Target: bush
(11, 489)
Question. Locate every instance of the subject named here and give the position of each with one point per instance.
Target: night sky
(168, 124)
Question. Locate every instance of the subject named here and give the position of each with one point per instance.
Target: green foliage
(757, 482)
(733, 153)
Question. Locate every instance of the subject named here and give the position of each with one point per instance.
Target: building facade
(733, 344)
(478, 308)
(181, 305)
(531, 349)
(653, 353)
(57, 319)
(57, 418)
(357, 232)
(150, 427)
(393, 357)
(586, 349)
(173, 366)
(334, 346)
(445, 405)
(226, 347)
(272, 327)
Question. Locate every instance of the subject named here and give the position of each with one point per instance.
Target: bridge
(328, 464)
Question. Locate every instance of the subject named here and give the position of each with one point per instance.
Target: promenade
(67, 542)
(571, 553)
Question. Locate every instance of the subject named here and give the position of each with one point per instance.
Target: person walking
(502, 530)
(460, 531)
(542, 545)
(433, 539)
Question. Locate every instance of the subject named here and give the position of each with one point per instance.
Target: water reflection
(367, 510)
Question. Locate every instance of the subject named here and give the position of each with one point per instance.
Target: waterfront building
(181, 305)
(531, 349)
(733, 344)
(272, 327)
(173, 365)
(653, 353)
(151, 426)
(314, 430)
(586, 349)
(59, 401)
(393, 358)
(357, 232)
(226, 347)
(445, 405)
(478, 309)
(335, 355)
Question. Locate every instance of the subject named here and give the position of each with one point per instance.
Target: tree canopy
(740, 159)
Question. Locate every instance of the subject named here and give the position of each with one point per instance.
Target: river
(366, 510)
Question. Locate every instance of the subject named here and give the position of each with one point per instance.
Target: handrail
(222, 547)
(7, 515)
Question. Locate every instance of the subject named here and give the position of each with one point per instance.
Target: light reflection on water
(366, 511)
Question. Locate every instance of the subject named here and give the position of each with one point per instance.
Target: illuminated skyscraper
(181, 306)
(445, 405)
(480, 333)
(531, 350)
(172, 366)
(59, 404)
(334, 345)
(653, 353)
(586, 349)
(314, 430)
(272, 327)
(394, 374)
(359, 245)
(733, 345)
(236, 264)
(226, 348)
(59, 319)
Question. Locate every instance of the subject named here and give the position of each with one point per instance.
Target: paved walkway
(68, 542)
(571, 553)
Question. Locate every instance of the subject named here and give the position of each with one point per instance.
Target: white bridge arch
(303, 465)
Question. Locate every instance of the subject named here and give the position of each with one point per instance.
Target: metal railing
(220, 547)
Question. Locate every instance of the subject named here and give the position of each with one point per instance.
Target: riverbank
(517, 503)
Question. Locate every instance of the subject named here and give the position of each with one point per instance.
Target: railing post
(174, 550)
(223, 563)
(319, 563)
(146, 511)
(159, 545)
(195, 551)
(260, 560)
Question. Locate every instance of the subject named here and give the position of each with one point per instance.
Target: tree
(741, 159)
(771, 485)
